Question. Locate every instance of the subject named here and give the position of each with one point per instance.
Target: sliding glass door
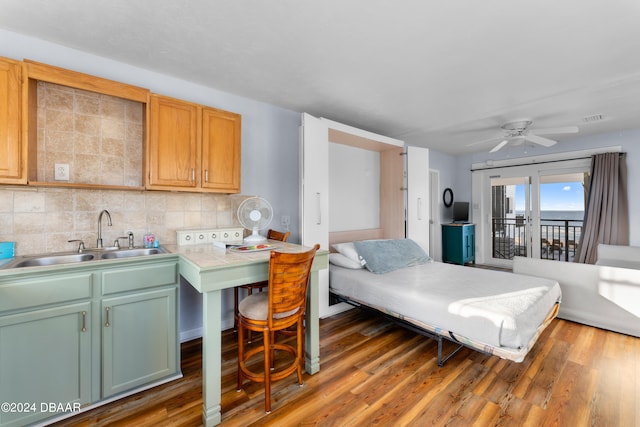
(511, 215)
(532, 211)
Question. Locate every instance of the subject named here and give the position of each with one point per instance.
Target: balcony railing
(558, 238)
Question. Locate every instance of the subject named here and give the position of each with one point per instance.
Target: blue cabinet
(458, 243)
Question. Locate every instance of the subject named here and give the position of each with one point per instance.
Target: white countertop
(207, 256)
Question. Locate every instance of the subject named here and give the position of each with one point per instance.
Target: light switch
(61, 172)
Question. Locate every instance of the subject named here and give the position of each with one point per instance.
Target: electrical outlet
(285, 220)
(61, 172)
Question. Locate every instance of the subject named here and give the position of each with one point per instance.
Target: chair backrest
(278, 235)
(288, 282)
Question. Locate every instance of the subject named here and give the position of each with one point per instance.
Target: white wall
(354, 188)
(446, 164)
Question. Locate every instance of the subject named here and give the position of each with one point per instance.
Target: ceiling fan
(518, 132)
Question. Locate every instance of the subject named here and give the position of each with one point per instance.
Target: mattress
(486, 309)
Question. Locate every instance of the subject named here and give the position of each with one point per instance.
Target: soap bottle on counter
(149, 240)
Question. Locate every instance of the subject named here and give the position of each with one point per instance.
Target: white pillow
(342, 261)
(348, 250)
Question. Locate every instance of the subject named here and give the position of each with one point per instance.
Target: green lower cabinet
(45, 363)
(59, 353)
(139, 339)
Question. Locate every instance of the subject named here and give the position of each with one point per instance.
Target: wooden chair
(277, 310)
(258, 286)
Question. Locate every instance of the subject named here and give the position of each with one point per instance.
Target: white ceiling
(440, 74)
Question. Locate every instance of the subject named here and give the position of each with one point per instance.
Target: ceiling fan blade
(499, 146)
(553, 131)
(540, 140)
(484, 141)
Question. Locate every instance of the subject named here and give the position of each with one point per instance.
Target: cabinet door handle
(193, 174)
(107, 310)
(206, 175)
(319, 221)
(419, 213)
(84, 321)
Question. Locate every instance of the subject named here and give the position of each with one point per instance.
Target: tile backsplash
(43, 219)
(99, 136)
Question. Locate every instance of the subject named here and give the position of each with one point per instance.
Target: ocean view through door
(537, 216)
(562, 204)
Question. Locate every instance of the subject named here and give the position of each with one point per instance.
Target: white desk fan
(255, 214)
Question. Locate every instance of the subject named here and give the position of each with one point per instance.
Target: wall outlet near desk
(285, 221)
(61, 172)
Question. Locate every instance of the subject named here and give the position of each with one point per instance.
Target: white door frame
(435, 232)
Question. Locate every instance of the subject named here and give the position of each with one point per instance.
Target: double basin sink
(87, 255)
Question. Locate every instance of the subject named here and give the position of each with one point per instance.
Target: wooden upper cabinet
(13, 152)
(94, 125)
(173, 143)
(193, 148)
(221, 148)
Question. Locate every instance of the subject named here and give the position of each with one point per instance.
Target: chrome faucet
(104, 211)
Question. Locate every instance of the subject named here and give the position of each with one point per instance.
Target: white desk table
(209, 270)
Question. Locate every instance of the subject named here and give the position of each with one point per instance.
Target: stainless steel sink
(53, 260)
(127, 253)
(88, 255)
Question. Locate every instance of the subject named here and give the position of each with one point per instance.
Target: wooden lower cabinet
(45, 362)
(139, 336)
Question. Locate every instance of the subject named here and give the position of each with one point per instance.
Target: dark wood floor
(375, 373)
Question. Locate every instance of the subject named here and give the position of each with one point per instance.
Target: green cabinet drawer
(139, 277)
(52, 289)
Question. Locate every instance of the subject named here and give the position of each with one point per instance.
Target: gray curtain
(606, 216)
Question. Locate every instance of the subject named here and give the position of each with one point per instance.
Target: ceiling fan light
(517, 126)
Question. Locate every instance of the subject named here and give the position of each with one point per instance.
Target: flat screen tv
(460, 211)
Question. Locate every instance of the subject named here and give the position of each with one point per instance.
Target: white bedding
(499, 309)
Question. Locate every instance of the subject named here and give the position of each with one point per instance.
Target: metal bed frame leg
(434, 336)
(442, 361)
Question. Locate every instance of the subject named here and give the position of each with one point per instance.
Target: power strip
(230, 236)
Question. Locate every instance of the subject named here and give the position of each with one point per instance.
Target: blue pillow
(383, 256)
